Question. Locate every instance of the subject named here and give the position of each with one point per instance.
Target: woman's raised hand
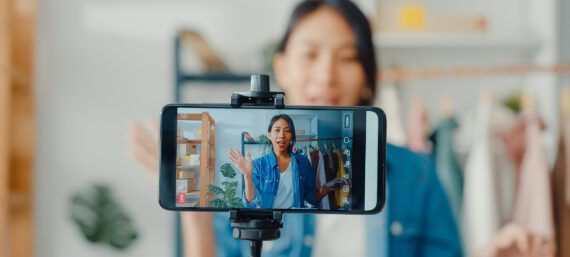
(244, 165)
(143, 145)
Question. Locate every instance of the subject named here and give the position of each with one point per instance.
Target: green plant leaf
(218, 191)
(228, 184)
(228, 171)
(231, 192)
(236, 203)
(513, 102)
(263, 139)
(101, 219)
(217, 203)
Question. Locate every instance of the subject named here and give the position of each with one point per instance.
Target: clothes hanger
(446, 105)
(565, 101)
(528, 101)
(486, 96)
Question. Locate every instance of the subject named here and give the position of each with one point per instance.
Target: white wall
(100, 65)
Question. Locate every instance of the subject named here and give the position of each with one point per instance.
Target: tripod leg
(256, 248)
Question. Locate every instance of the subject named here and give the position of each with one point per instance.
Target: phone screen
(292, 159)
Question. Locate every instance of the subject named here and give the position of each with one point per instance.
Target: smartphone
(295, 159)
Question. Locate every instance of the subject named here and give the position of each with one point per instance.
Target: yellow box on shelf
(186, 174)
(412, 16)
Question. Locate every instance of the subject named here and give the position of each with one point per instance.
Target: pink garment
(514, 140)
(533, 203)
(418, 126)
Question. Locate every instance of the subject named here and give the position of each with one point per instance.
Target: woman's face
(320, 63)
(280, 135)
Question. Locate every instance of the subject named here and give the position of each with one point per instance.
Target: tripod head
(259, 94)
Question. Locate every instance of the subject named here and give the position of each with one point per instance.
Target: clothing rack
(398, 75)
(244, 141)
(320, 139)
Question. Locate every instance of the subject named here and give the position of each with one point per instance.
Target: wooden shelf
(187, 166)
(192, 193)
(188, 141)
(389, 40)
(216, 77)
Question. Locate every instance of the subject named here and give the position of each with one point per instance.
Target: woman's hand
(332, 185)
(244, 165)
(143, 145)
(514, 240)
(336, 184)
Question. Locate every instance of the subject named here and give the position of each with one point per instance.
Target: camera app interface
(268, 159)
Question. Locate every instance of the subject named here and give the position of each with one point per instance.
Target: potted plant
(226, 195)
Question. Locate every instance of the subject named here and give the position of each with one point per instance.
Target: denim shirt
(419, 219)
(266, 177)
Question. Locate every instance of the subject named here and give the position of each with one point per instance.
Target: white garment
(501, 120)
(284, 198)
(340, 236)
(481, 211)
(390, 103)
(325, 203)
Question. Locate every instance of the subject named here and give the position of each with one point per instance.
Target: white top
(340, 236)
(284, 198)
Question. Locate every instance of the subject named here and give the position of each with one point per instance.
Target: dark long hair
(291, 126)
(360, 27)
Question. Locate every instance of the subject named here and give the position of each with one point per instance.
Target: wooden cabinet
(187, 169)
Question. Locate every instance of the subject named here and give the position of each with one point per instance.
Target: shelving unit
(207, 143)
(183, 78)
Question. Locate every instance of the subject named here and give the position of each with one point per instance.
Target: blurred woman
(326, 57)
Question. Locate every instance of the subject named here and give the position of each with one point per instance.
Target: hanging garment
(389, 101)
(502, 119)
(330, 174)
(321, 180)
(342, 193)
(561, 189)
(418, 126)
(314, 158)
(533, 202)
(481, 217)
(449, 169)
(515, 143)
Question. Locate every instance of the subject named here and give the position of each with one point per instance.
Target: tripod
(257, 226)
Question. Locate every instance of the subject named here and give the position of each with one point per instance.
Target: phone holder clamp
(259, 94)
(256, 227)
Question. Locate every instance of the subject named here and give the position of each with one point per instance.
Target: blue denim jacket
(266, 178)
(420, 222)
